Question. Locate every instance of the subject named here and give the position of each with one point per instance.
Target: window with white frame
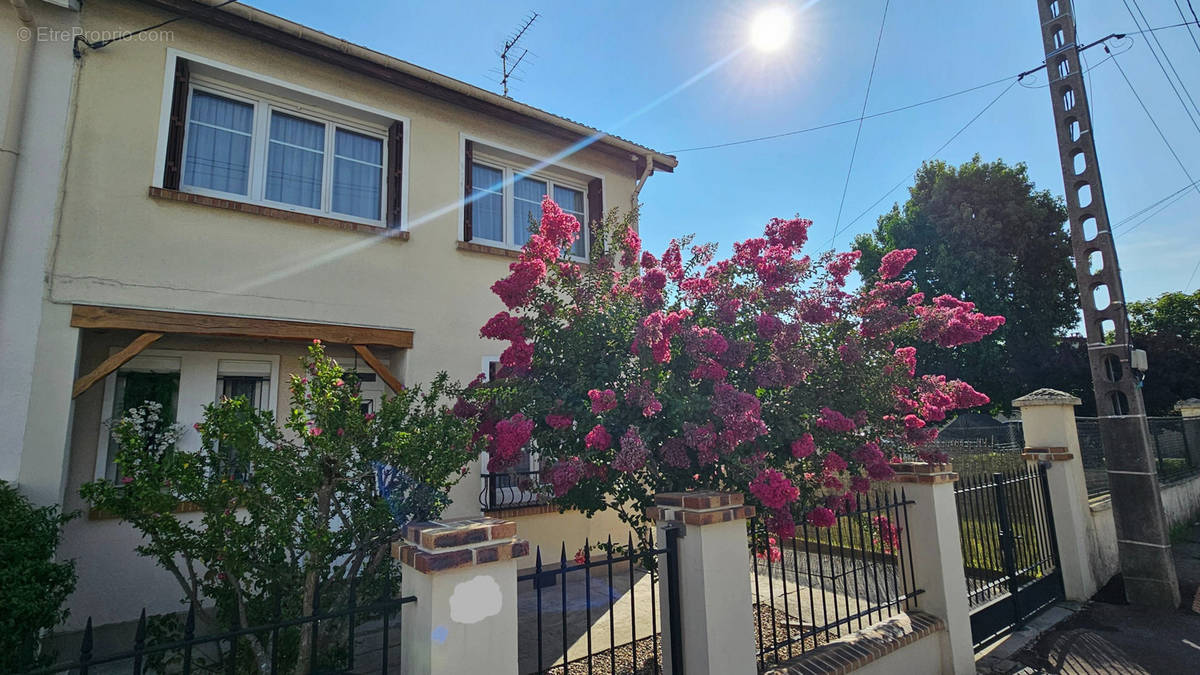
(183, 382)
(260, 148)
(507, 202)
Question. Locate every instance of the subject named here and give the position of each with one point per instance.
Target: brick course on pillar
(1048, 423)
(936, 552)
(463, 574)
(715, 622)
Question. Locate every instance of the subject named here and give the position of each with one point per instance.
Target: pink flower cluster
(564, 475)
(508, 439)
(773, 489)
(894, 262)
(656, 331)
(835, 421)
(739, 413)
(951, 322)
(598, 438)
(633, 453)
(803, 447)
(602, 401)
(642, 396)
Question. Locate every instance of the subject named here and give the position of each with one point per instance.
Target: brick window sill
(485, 249)
(277, 214)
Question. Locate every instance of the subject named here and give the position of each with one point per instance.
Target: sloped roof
(288, 34)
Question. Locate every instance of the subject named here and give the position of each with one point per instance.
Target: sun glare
(770, 29)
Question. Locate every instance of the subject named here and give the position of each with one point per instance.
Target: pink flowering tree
(760, 374)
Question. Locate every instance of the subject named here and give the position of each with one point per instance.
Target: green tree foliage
(984, 232)
(32, 585)
(291, 512)
(1168, 328)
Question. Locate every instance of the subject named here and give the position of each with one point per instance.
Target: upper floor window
(295, 160)
(288, 150)
(504, 201)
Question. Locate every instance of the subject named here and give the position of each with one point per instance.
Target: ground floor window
(182, 382)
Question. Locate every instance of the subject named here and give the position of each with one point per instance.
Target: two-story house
(190, 209)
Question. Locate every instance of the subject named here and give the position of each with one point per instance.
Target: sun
(770, 29)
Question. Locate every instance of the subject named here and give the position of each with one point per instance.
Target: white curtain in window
(487, 211)
(295, 161)
(357, 174)
(218, 144)
(571, 201)
(527, 204)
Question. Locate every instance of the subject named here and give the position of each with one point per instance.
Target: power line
(1125, 221)
(861, 113)
(910, 106)
(1162, 67)
(852, 120)
(1150, 216)
(935, 153)
(1157, 128)
(1184, 17)
(1192, 277)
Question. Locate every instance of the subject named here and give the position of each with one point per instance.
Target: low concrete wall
(1181, 502)
(922, 656)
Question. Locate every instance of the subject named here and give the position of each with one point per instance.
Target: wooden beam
(92, 316)
(380, 369)
(113, 362)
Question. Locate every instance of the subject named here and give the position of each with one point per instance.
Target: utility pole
(1143, 540)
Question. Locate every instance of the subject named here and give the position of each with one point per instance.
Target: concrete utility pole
(1143, 539)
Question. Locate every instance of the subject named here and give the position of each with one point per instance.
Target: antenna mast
(510, 45)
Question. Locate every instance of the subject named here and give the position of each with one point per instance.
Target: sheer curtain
(218, 144)
(571, 201)
(295, 161)
(357, 174)
(487, 211)
(527, 203)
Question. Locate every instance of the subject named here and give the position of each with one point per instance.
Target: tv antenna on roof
(511, 45)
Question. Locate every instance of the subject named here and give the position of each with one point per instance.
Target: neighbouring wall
(1181, 502)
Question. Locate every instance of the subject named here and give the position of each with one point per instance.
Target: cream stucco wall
(1181, 504)
(118, 246)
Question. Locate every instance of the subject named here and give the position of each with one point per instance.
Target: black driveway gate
(1010, 552)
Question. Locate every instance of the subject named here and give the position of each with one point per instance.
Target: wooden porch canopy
(154, 324)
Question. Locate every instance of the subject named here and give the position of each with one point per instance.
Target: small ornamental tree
(289, 515)
(759, 374)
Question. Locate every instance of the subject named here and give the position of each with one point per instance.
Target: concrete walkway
(1107, 636)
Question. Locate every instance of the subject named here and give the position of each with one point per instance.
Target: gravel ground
(602, 661)
(784, 628)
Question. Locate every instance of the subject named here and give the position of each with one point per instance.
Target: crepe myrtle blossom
(681, 371)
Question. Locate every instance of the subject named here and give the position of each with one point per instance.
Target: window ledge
(488, 249)
(277, 214)
(474, 247)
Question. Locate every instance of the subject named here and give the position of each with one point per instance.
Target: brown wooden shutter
(179, 103)
(468, 229)
(595, 198)
(395, 174)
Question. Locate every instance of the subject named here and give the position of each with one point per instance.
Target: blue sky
(598, 62)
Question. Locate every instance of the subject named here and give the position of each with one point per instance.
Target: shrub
(33, 586)
(759, 374)
(287, 513)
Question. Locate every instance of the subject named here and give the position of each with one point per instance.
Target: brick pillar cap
(444, 545)
(1047, 397)
(701, 507)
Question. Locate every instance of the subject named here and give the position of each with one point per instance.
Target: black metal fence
(359, 638)
(1009, 547)
(511, 490)
(1173, 456)
(827, 582)
(599, 611)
